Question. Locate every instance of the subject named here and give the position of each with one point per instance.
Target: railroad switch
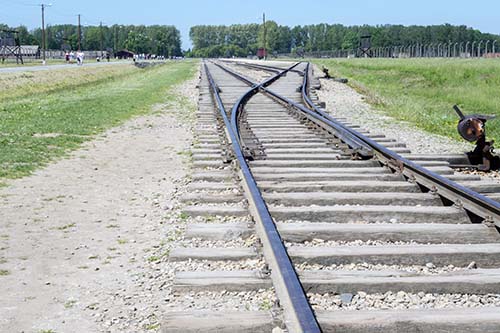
(326, 71)
(473, 128)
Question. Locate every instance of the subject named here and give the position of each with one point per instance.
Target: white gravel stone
(331, 243)
(417, 269)
(402, 300)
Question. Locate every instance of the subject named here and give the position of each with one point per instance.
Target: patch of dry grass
(21, 84)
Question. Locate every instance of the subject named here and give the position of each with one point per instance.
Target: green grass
(67, 226)
(265, 305)
(423, 91)
(11, 62)
(39, 127)
(69, 304)
(153, 326)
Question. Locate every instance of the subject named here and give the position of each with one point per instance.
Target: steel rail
(358, 147)
(261, 67)
(322, 119)
(476, 203)
(269, 68)
(460, 195)
(299, 316)
(238, 106)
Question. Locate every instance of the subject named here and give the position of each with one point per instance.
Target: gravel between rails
(401, 300)
(428, 269)
(322, 243)
(205, 265)
(262, 299)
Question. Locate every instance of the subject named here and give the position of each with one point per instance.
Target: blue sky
(481, 14)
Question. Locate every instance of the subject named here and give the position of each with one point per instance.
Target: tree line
(244, 39)
(155, 39)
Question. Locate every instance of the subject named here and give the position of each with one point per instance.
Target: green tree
(137, 42)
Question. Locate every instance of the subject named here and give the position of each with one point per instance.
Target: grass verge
(54, 118)
(423, 91)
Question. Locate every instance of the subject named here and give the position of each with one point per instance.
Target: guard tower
(10, 45)
(365, 46)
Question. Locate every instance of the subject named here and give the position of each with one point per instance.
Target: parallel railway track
(339, 215)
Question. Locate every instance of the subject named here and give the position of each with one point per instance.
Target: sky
(480, 14)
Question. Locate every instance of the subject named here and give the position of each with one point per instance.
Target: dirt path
(75, 238)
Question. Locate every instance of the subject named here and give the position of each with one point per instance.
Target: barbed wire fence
(474, 49)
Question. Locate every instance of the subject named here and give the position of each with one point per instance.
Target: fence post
(493, 47)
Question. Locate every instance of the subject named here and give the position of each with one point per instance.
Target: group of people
(101, 58)
(147, 56)
(70, 56)
(79, 56)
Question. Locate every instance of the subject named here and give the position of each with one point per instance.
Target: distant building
(261, 53)
(30, 51)
(124, 54)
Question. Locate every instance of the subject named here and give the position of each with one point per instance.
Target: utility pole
(43, 30)
(79, 35)
(264, 23)
(115, 37)
(102, 36)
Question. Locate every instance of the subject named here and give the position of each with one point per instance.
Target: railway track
(353, 234)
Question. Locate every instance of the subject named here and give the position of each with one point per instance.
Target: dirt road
(76, 236)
